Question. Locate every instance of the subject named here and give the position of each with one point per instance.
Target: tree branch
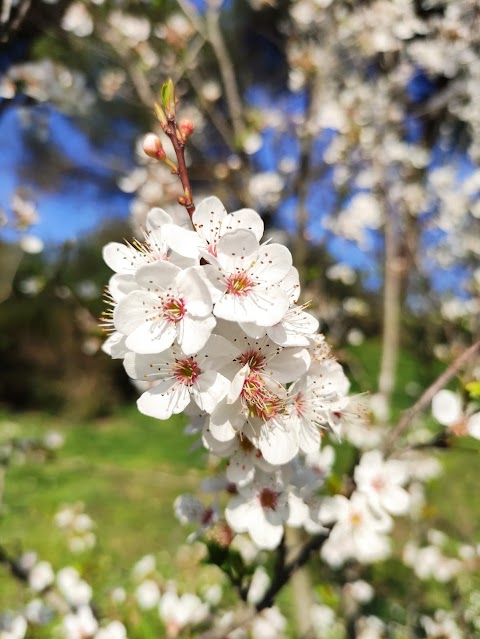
(284, 574)
(428, 395)
(227, 70)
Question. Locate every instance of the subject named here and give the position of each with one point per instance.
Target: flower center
(208, 517)
(378, 484)
(239, 284)
(254, 359)
(299, 404)
(173, 309)
(356, 519)
(268, 499)
(186, 370)
(259, 400)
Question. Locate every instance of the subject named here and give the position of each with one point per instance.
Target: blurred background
(352, 127)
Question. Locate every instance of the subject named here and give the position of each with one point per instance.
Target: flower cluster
(208, 316)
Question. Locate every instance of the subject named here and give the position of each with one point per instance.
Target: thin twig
(428, 395)
(284, 575)
(179, 147)
(227, 71)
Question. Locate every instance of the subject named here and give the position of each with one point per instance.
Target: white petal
(193, 289)
(225, 421)
(121, 258)
(264, 534)
(236, 386)
(237, 514)
(194, 333)
(446, 407)
(164, 400)
(290, 364)
(218, 352)
(308, 437)
(291, 285)
(156, 218)
(130, 311)
(273, 263)
(262, 306)
(209, 219)
(240, 469)
(298, 511)
(158, 275)
(121, 285)
(148, 368)
(473, 426)
(253, 330)
(247, 219)
(183, 241)
(396, 500)
(115, 346)
(278, 444)
(293, 329)
(236, 250)
(209, 389)
(151, 338)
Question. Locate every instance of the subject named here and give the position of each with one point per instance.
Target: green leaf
(168, 97)
(473, 389)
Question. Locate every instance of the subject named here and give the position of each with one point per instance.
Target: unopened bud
(152, 145)
(221, 534)
(182, 200)
(160, 115)
(186, 128)
(168, 98)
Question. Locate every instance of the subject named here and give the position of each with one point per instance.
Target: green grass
(127, 470)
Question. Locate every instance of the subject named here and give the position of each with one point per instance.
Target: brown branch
(283, 576)
(428, 395)
(170, 130)
(303, 179)
(227, 71)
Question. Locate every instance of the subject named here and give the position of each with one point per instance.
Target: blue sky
(84, 194)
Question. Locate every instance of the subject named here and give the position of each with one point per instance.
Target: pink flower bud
(186, 128)
(152, 146)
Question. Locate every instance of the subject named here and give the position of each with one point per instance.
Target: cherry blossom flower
(358, 533)
(171, 304)
(245, 276)
(119, 286)
(314, 400)
(189, 509)
(296, 326)
(147, 594)
(211, 222)
(41, 576)
(269, 624)
(256, 402)
(382, 482)
(261, 508)
(127, 258)
(447, 408)
(75, 590)
(181, 378)
(80, 624)
(180, 611)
